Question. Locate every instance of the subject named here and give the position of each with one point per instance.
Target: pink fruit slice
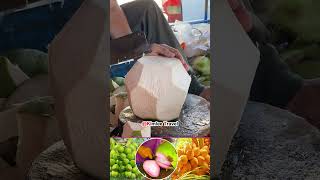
(151, 168)
(162, 161)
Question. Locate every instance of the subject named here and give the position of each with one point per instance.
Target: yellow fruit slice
(204, 152)
(201, 142)
(195, 141)
(201, 160)
(194, 162)
(196, 152)
(189, 154)
(206, 148)
(188, 167)
(207, 157)
(183, 159)
(188, 147)
(180, 151)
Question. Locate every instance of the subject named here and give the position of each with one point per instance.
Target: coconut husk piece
(56, 163)
(31, 88)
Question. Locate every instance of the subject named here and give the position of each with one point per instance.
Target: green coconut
(202, 65)
(205, 80)
(32, 62)
(119, 80)
(11, 77)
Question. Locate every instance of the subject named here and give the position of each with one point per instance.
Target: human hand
(242, 14)
(166, 51)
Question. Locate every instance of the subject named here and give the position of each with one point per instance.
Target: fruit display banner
(160, 158)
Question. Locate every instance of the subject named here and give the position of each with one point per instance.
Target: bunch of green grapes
(122, 160)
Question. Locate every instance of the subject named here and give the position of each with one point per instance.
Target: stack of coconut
(201, 66)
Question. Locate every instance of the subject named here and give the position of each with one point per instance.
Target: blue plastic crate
(121, 69)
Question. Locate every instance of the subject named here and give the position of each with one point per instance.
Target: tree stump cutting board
(56, 163)
(194, 120)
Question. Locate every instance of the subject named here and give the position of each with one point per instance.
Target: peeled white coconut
(157, 87)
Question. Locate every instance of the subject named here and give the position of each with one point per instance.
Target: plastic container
(121, 69)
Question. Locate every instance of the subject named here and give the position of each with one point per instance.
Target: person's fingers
(152, 54)
(175, 51)
(157, 50)
(160, 50)
(178, 56)
(167, 51)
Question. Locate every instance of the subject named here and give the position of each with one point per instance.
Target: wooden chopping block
(56, 163)
(194, 120)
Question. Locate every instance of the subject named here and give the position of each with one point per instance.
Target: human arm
(119, 25)
(242, 14)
